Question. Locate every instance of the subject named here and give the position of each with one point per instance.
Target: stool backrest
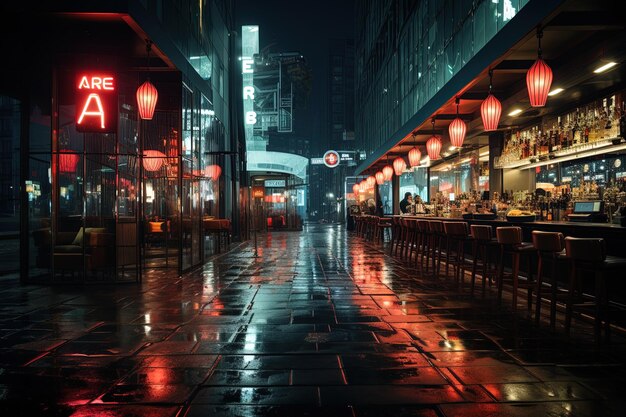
(436, 226)
(585, 249)
(423, 226)
(481, 232)
(455, 228)
(548, 241)
(509, 235)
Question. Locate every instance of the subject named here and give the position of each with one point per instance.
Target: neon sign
(331, 159)
(96, 103)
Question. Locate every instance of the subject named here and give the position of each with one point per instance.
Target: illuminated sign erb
(96, 103)
(331, 159)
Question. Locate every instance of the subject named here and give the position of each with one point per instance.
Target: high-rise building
(327, 188)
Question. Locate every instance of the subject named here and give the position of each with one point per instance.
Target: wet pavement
(321, 323)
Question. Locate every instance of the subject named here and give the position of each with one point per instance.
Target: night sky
(305, 27)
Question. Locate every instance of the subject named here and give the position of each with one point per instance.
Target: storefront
(120, 150)
(534, 115)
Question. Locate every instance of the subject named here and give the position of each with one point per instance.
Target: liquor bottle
(576, 131)
(622, 122)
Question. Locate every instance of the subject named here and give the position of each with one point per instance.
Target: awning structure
(578, 37)
(280, 162)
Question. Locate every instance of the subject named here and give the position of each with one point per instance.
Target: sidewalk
(321, 324)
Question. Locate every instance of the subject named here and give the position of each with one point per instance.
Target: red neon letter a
(86, 112)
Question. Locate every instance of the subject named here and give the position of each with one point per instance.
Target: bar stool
(382, 224)
(456, 235)
(436, 240)
(395, 234)
(423, 227)
(550, 247)
(411, 225)
(589, 255)
(510, 241)
(483, 247)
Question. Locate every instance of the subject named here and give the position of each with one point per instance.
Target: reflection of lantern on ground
(152, 160)
(68, 161)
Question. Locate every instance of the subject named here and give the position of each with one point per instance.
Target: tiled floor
(321, 324)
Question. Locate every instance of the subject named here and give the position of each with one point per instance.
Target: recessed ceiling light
(605, 67)
(515, 112)
(556, 91)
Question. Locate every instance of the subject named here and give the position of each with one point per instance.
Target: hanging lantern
(539, 78)
(399, 165)
(388, 172)
(538, 81)
(68, 161)
(152, 160)
(362, 186)
(380, 178)
(457, 129)
(147, 96)
(415, 157)
(213, 172)
(433, 147)
(371, 181)
(490, 109)
(355, 189)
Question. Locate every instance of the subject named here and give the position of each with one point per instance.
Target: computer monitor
(588, 207)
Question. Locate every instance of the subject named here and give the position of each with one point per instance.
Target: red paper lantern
(380, 178)
(362, 186)
(490, 111)
(433, 147)
(152, 160)
(457, 130)
(399, 165)
(213, 172)
(355, 189)
(388, 172)
(371, 181)
(538, 82)
(68, 161)
(415, 157)
(147, 96)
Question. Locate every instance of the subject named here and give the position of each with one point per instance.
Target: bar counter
(614, 234)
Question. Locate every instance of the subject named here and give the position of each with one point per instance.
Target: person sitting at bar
(419, 205)
(405, 204)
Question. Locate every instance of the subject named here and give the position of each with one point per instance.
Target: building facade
(101, 186)
(480, 105)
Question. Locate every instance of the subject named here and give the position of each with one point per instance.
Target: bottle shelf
(574, 152)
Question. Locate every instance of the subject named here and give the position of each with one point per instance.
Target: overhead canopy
(578, 37)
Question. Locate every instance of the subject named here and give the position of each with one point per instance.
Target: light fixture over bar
(556, 91)
(515, 112)
(605, 67)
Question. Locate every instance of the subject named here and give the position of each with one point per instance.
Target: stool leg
(516, 257)
(538, 289)
(486, 267)
(553, 294)
(501, 274)
(529, 295)
(570, 302)
(448, 245)
(476, 253)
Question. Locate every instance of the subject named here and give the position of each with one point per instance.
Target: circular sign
(331, 159)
